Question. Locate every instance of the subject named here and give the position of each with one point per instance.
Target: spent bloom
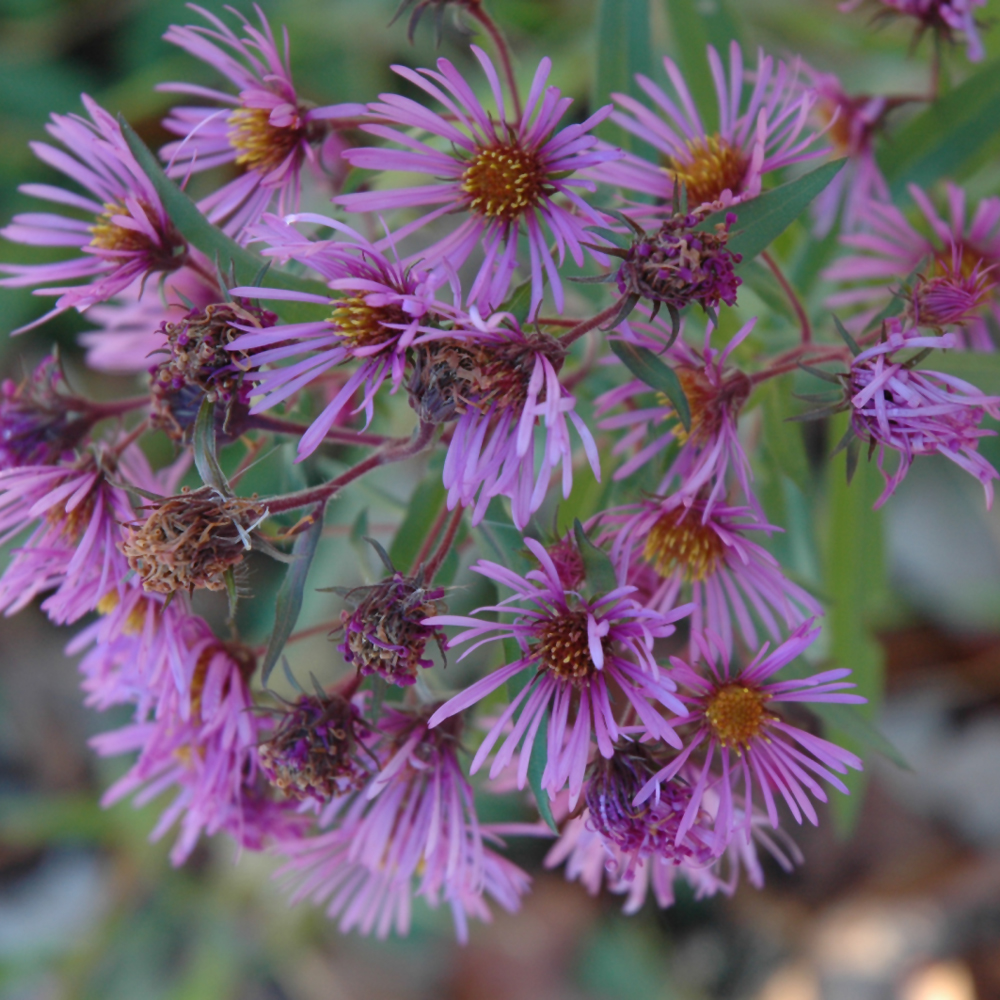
(498, 383)
(668, 549)
(730, 712)
(266, 130)
(765, 133)
(578, 651)
(911, 411)
(127, 234)
(940, 16)
(956, 266)
(503, 180)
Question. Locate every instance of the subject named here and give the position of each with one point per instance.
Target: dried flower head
(192, 540)
(314, 749)
(384, 633)
(201, 366)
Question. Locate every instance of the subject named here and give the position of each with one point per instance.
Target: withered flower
(192, 540)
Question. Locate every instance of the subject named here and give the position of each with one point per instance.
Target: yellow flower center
(737, 714)
(678, 540)
(967, 260)
(137, 616)
(713, 165)
(260, 145)
(504, 181)
(362, 325)
(564, 647)
(108, 235)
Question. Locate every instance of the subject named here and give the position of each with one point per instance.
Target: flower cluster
(631, 668)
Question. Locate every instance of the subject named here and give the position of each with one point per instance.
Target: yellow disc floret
(679, 541)
(503, 181)
(712, 166)
(737, 714)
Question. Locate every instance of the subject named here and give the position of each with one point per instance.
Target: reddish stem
(278, 425)
(588, 324)
(782, 368)
(793, 298)
(428, 542)
(115, 408)
(498, 40)
(435, 564)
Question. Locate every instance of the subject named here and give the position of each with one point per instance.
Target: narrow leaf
(648, 368)
(519, 302)
(598, 568)
(425, 503)
(289, 602)
(204, 448)
(852, 344)
(536, 768)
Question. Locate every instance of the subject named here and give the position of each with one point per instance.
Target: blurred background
(900, 894)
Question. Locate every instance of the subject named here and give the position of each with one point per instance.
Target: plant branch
(587, 325)
(279, 425)
(428, 543)
(793, 297)
(449, 537)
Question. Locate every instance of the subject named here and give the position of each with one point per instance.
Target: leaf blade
(648, 368)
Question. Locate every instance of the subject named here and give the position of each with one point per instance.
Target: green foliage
(623, 49)
(648, 368)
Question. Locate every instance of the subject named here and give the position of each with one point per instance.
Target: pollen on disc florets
(710, 404)
(713, 165)
(679, 264)
(737, 714)
(261, 145)
(362, 325)
(192, 540)
(314, 751)
(384, 634)
(106, 234)
(504, 181)
(563, 647)
(452, 376)
(200, 366)
(679, 540)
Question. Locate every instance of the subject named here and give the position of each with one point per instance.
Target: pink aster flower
(916, 411)
(266, 130)
(763, 134)
(667, 548)
(413, 830)
(375, 317)
(200, 740)
(957, 266)
(940, 16)
(502, 180)
(498, 383)
(850, 124)
(730, 712)
(127, 234)
(576, 649)
(710, 452)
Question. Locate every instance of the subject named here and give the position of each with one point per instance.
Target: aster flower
(958, 265)
(911, 411)
(375, 316)
(75, 515)
(940, 16)
(414, 829)
(576, 650)
(667, 548)
(767, 132)
(502, 179)
(128, 235)
(267, 129)
(730, 712)
(710, 452)
(201, 740)
(496, 382)
(850, 124)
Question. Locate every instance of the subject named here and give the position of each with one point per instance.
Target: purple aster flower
(576, 650)
(915, 411)
(710, 452)
(730, 712)
(498, 383)
(413, 830)
(940, 16)
(502, 179)
(665, 548)
(201, 740)
(128, 234)
(267, 130)
(767, 132)
(72, 550)
(850, 124)
(376, 315)
(958, 265)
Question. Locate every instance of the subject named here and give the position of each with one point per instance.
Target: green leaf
(847, 719)
(982, 370)
(536, 767)
(761, 220)
(204, 448)
(226, 253)
(426, 502)
(648, 368)
(499, 540)
(519, 302)
(598, 568)
(624, 48)
(289, 602)
(947, 138)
